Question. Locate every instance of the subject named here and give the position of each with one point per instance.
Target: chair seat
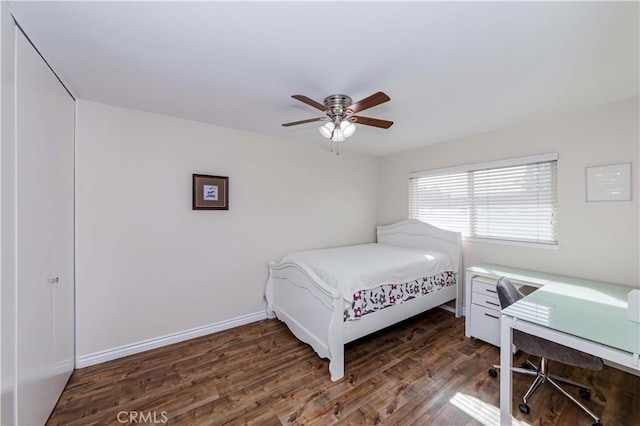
(553, 351)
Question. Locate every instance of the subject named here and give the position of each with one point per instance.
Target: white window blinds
(513, 200)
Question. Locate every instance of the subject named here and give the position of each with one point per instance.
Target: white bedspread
(367, 266)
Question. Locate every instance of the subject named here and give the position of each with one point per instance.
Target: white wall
(596, 240)
(148, 265)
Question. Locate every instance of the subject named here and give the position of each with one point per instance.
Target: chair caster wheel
(493, 372)
(585, 393)
(524, 408)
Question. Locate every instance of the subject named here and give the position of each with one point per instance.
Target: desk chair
(546, 350)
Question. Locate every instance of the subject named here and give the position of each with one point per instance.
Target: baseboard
(452, 309)
(145, 345)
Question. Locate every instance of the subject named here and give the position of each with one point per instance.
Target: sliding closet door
(45, 188)
(64, 234)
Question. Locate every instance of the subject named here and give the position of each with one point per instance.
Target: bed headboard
(416, 234)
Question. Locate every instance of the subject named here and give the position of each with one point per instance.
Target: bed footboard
(312, 310)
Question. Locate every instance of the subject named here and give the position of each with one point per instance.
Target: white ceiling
(451, 68)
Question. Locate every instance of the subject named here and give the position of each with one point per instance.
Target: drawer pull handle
(491, 291)
(492, 316)
(491, 303)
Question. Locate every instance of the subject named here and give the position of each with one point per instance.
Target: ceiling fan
(339, 110)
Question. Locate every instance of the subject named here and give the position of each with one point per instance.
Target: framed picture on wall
(210, 192)
(609, 183)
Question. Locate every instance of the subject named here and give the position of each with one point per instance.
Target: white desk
(488, 328)
(587, 315)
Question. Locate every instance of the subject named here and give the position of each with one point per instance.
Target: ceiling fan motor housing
(338, 106)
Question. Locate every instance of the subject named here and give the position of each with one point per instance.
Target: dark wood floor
(423, 371)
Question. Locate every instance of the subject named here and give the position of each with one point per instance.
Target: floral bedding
(367, 301)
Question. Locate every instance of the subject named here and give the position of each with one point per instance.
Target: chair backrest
(507, 292)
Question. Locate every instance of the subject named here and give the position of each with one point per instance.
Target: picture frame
(210, 192)
(608, 183)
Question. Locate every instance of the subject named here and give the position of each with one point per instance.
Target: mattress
(364, 267)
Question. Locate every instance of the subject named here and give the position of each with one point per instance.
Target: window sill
(511, 243)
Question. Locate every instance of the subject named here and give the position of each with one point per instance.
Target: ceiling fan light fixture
(338, 135)
(326, 130)
(347, 127)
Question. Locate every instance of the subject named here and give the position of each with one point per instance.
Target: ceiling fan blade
(367, 121)
(310, 101)
(371, 101)
(311, 120)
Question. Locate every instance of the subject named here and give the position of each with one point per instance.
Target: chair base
(542, 376)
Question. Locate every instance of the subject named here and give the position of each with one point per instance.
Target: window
(512, 200)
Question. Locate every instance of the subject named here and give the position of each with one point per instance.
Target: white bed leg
(336, 339)
(459, 288)
(269, 294)
(336, 366)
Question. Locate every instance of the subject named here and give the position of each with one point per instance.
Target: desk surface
(587, 309)
(522, 276)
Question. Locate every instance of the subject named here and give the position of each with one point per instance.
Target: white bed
(312, 300)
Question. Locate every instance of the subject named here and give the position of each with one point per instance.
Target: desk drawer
(485, 324)
(483, 287)
(488, 300)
